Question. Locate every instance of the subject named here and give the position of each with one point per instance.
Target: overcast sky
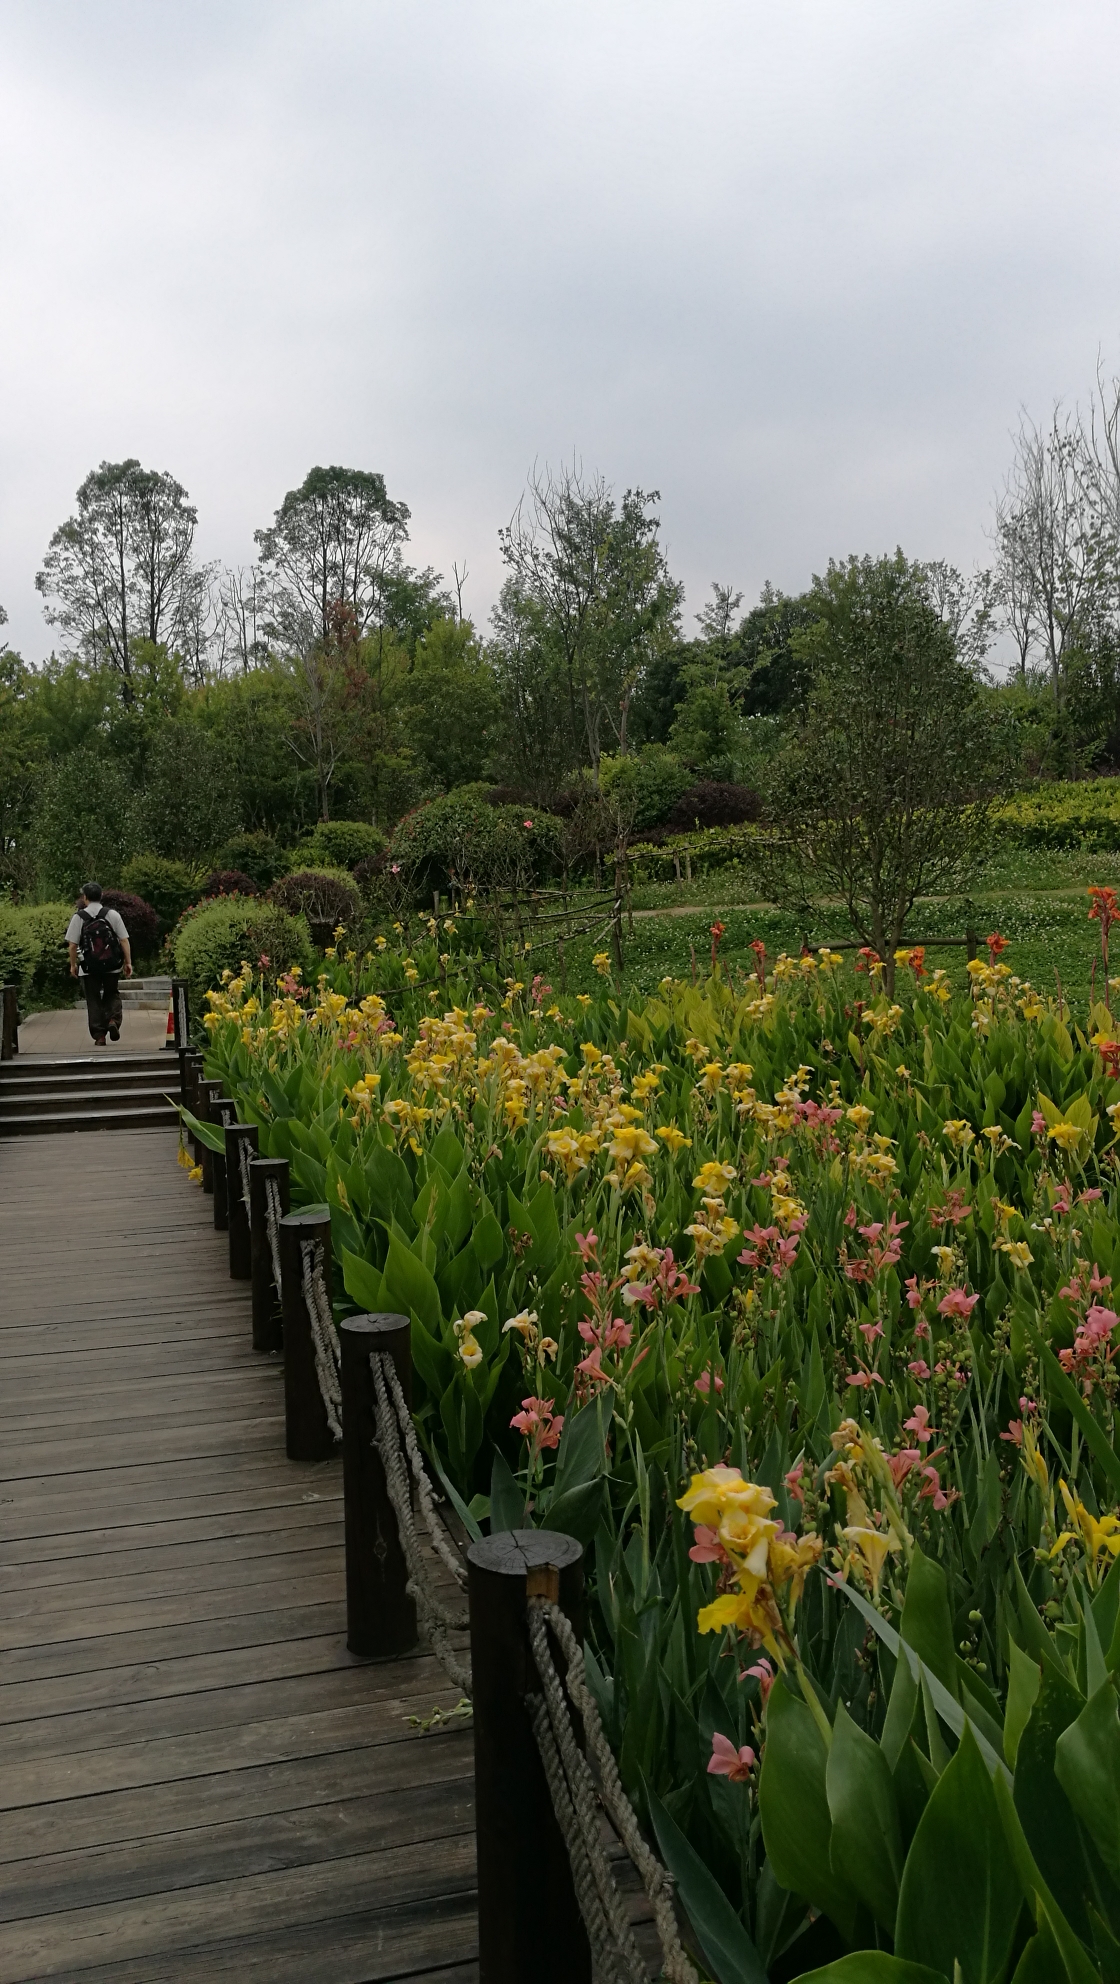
(797, 266)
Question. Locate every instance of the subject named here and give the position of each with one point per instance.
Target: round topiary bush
(139, 919)
(229, 882)
(340, 844)
(477, 845)
(257, 855)
(324, 897)
(217, 935)
(170, 886)
(715, 803)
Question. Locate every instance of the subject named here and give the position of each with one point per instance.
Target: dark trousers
(103, 1003)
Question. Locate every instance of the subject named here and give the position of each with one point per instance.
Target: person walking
(100, 955)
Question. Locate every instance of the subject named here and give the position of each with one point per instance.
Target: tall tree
(333, 540)
(596, 573)
(1057, 542)
(122, 567)
(886, 783)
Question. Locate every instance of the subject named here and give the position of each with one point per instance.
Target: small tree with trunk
(884, 789)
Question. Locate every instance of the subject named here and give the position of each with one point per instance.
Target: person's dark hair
(91, 891)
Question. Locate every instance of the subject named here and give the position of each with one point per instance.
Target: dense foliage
(791, 1298)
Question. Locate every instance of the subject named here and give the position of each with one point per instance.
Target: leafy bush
(715, 803)
(1083, 813)
(48, 923)
(257, 855)
(139, 919)
(340, 844)
(170, 886)
(215, 937)
(323, 896)
(20, 948)
(229, 882)
(651, 782)
(478, 845)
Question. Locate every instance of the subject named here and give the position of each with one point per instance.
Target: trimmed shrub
(715, 803)
(229, 882)
(481, 846)
(215, 936)
(139, 919)
(1070, 813)
(339, 844)
(324, 897)
(85, 821)
(48, 922)
(650, 782)
(257, 855)
(20, 948)
(170, 886)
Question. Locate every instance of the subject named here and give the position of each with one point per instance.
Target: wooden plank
(330, 1679)
(401, 1812)
(197, 1781)
(152, 1926)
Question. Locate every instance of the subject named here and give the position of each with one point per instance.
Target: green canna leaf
(961, 1895)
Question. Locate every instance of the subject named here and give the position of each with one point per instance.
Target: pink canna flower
(707, 1548)
(862, 1378)
(902, 1463)
(850, 1217)
(1014, 1433)
(1038, 1124)
(913, 1292)
(727, 1761)
(704, 1383)
(869, 1331)
(587, 1244)
(957, 1303)
(793, 1485)
(919, 1425)
(918, 1368)
(539, 1424)
(763, 1673)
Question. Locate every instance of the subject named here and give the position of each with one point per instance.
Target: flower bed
(794, 1302)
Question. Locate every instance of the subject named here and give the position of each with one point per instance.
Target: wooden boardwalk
(196, 1780)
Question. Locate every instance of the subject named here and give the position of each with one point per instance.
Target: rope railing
(398, 1448)
(576, 1798)
(322, 1332)
(243, 1155)
(273, 1214)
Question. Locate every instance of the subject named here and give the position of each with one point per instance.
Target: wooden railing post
(524, 1874)
(9, 1022)
(190, 1064)
(380, 1615)
(223, 1112)
(307, 1433)
(207, 1093)
(239, 1136)
(181, 1014)
(268, 1330)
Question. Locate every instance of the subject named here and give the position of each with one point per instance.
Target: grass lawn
(1035, 898)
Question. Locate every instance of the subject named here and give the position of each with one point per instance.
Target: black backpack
(99, 945)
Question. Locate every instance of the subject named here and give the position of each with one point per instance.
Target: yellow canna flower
(714, 1178)
(722, 1488)
(871, 1547)
(675, 1139)
(860, 1115)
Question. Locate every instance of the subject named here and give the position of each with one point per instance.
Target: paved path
(66, 1032)
(196, 1780)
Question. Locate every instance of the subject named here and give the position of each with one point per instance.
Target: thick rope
(543, 1614)
(272, 1218)
(436, 1531)
(436, 1619)
(600, 1934)
(322, 1332)
(243, 1162)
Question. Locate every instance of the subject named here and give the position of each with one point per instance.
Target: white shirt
(74, 927)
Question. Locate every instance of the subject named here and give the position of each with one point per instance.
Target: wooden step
(125, 1116)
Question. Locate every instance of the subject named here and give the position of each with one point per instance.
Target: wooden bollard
(268, 1329)
(239, 1137)
(223, 1112)
(307, 1433)
(524, 1874)
(181, 1014)
(9, 1022)
(380, 1615)
(207, 1093)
